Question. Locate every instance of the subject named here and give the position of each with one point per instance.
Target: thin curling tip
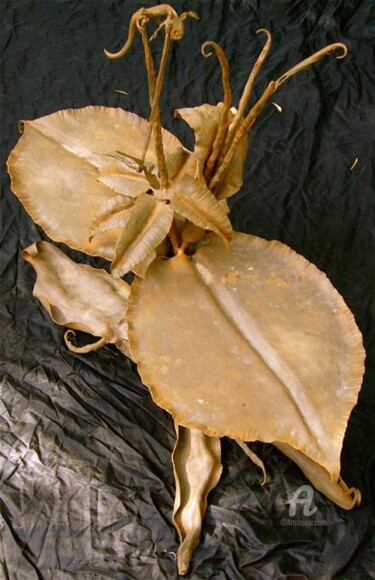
(107, 54)
(190, 14)
(204, 47)
(265, 31)
(113, 55)
(343, 47)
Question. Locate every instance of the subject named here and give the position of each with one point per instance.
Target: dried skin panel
(59, 160)
(149, 223)
(80, 297)
(259, 321)
(197, 468)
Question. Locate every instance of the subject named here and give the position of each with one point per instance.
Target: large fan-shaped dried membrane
(80, 297)
(59, 159)
(277, 354)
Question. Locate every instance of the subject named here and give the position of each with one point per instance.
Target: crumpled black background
(86, 476)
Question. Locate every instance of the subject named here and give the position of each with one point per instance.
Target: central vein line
(251, 332)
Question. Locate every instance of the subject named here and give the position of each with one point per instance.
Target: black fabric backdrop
(86, 479)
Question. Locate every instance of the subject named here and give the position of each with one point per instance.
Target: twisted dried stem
(224, 119)
(155, 114)
(254, 458)
(174, 30)
(149, 61)
(247, 90)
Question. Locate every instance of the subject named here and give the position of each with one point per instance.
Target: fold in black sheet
(86, 477)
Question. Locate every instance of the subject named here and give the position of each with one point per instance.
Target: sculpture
(120, 187)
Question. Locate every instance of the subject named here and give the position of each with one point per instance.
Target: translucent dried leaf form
(196, 203)
(80, 297)
(205, 121)
(65, 195)
(270, 324)
(197, 468)
(149, 223)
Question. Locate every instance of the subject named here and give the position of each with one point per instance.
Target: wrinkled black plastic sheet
(86, 476)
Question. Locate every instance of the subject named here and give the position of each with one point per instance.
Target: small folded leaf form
(205, 121)
(80, 297)
(197, 469)
(148, 224)
(196, 203)
(66, 165)
(276, 350)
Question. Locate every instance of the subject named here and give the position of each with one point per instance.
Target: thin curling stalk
(224, 119)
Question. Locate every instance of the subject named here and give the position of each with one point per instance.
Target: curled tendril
(224, 120)
(83, 349)
(311, 60)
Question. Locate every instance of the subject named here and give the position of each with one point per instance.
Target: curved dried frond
(80, 297)
(337, 490)
(196, 203)
(197, 468)
(148, 224)
(205, 121)
(56, 166)
(276, 350)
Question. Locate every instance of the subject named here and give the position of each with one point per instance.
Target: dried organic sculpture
(272, 326)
